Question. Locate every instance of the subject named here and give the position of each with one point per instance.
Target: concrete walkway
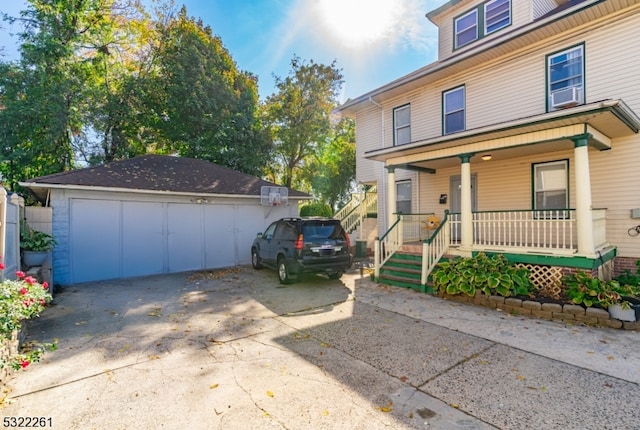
(233, 349)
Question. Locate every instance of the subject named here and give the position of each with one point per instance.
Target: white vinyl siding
(521, 14)
(514, 87)
(369, 137)
(541, 7)
(481, 21)
(520, 90)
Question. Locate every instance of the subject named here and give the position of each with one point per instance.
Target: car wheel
(255, 259)
(335, 275)
(283, 273)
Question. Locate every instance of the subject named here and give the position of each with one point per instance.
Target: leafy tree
(332, 171)
(298, 116)
(102, 80)
(44, 93)
(209, 109)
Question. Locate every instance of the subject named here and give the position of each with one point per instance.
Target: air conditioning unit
(566, 97)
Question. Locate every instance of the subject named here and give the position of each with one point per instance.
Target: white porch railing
(549, 231)
(553, 231)
(387, 245)
(434, 248)
(361, 204)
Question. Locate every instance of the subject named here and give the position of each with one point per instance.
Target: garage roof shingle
(163, 173)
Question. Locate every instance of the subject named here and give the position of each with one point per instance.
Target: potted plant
(35, 246)
(628, 306)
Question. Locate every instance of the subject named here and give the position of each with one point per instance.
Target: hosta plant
(491, 275)
(583, 289)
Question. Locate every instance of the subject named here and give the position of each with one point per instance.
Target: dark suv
(303, 245)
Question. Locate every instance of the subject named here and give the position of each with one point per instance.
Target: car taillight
(299, 245)
(346, 236)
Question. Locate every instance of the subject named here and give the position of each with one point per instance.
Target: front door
(455, 207)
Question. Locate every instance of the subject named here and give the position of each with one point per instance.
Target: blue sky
(372, 41)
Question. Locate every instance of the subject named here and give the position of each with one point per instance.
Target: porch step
(402, 270)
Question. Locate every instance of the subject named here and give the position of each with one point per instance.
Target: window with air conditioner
(565, 82)
(453, 107)
(402, 125)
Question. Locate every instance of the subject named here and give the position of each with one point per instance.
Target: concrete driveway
(233, 349)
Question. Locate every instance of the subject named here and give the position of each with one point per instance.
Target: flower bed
(21, 299)
(494, 282)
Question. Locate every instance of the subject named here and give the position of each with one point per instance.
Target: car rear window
(322, 230)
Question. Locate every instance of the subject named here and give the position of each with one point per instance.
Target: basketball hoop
(274, 196)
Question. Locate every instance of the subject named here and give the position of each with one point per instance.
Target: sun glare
(358, 23)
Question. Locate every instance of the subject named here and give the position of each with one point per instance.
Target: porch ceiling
(601, 122)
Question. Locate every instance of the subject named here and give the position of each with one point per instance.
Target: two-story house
(521, 139)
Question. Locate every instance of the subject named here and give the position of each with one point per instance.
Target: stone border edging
(549, 311)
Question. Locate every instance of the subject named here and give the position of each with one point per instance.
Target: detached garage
(156, 214)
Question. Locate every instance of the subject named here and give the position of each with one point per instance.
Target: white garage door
(120, 239)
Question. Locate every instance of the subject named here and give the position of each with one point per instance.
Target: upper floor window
(466, 28)
(497, 14)
(565, 71)
(551, 189)
(402, 125)
(453, 110)
(481, 21)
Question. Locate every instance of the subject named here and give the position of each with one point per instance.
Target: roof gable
(161, 173)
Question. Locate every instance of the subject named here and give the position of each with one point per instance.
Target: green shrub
(584, 289)
(316, 209)
(631, 279)
(491, 275)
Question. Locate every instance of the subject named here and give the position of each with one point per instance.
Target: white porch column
(391, 196)
(584, 217)
(466, 216)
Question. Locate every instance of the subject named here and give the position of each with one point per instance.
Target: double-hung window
(453, 104)
(497, 14)
(481, 21)
(402, 125)
(466, 28)
(565, 72)
(550, 185)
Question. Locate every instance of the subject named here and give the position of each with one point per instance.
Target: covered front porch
(573, 236)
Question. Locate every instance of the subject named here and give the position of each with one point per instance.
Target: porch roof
(600, 122)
